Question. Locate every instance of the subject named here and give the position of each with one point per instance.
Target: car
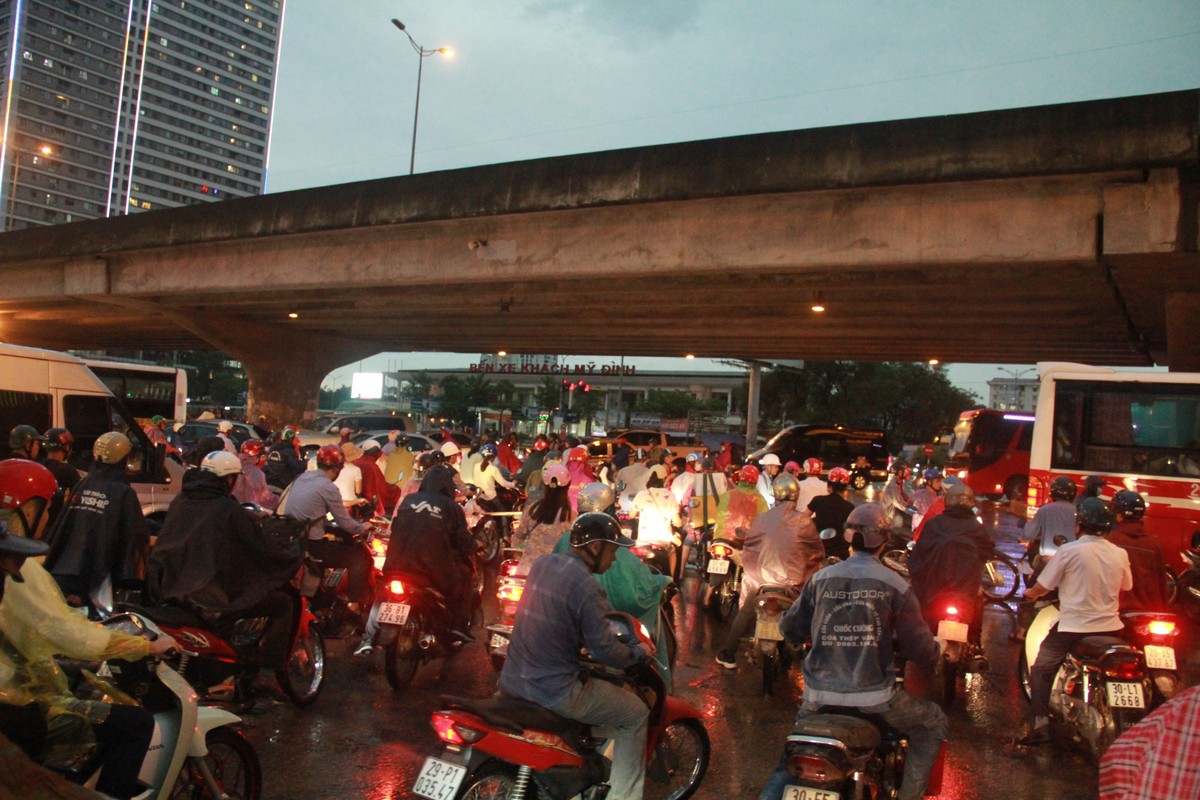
(463, 440)
(196, 429)
(640, 440)
(417, 442)
(326, 429)
(861, 450)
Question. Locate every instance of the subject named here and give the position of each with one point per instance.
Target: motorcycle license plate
(439, 779)
(768, 629)
(379, 560)
(498, 643)
(718, 566)
(805, 793)
(1125, 695)
(1160, 657)
(393, 613)
(952, 631)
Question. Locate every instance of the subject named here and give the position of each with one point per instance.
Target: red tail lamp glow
(396, 587)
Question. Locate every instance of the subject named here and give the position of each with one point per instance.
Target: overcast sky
(536, 78)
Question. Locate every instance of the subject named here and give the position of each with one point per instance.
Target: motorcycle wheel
(305, 673)
(402, 657)
(487, 541)
(949, 680)
(233, 764)
(724, 599)
(1000, 578)
(897, 561)
(495, 780)
(1111, 730)
(679, 761)
(669, 637)
(770, 671)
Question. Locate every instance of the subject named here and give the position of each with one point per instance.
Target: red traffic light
(587, 387)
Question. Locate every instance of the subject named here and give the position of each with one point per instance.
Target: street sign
(929, 451)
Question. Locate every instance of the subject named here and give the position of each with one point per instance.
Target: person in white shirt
(657, 513)
(770, 467)
(1090, 573)
(224, 428)
(349, 481)
(487, 474)
(812, 486)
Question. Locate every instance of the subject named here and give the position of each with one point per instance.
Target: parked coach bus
(990, 452)
(145, 389)
(1137, 430)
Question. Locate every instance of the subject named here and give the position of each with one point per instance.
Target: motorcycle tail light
(721, 551)
(639, 551)
(771, 606)
(814, 768)
(396, 587)
(952, 612)
(511, 592)
(1125, 670)
(379, 547)
(452, 732)
(508, 569)
(1162, 627)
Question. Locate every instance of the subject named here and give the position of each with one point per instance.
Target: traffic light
(586, 387)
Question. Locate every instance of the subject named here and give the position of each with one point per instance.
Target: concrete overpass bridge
(1065, 232)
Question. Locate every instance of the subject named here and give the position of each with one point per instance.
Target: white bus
(1139, 430)
(145, 389)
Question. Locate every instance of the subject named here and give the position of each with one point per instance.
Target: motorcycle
(511, 748)
(492, 529)
(510, 587)
(1101, 688)
(415, 623)
(951, 620)
(327, 588)
(841, 753)
(724, 576)
(1187, 584)
(194, 750)
(768, 646)
(1155, 633)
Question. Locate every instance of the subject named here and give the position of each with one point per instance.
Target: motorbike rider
(738, 507)
(533, 462)
(283, 460)
(896, 500)
(213, 557)
(769, 467)
(1147, 561)
(562, 609)
(252, 487)
(1089, 573)
(579, 470)
(948, 561)
(1053, 520)
(783, 548)
(830, 511)
(812, 486)
(544, 521)
(58, 447)
(225, 431)
(657, 515)
(873, 612)
(430, 538)
(924, 498)
(1093, 485)
(100, 540)
(401, 460)
(381, 495)
(313, 495)
(36, 624)
(25, 442)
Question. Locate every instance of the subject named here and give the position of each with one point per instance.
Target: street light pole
(45, 150)
(422, 54)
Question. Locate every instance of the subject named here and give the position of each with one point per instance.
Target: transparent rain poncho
(36, 624)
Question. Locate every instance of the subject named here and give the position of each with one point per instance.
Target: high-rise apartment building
(115, 106)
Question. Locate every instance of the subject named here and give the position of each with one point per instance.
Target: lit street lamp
(422, 53)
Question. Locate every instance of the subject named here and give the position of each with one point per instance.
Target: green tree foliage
(912, 402)
(332, 398)
(675, 404)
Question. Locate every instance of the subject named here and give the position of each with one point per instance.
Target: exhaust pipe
(427, 641)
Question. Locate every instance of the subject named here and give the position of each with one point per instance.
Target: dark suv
(863, 451)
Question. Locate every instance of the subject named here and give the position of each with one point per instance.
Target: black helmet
(597, 527)
(1092, 485)
(1129, 504)
(59, 439)
(1095, 516)
(960, 495)
(22, 435)
(898, 465)
(1063, 488)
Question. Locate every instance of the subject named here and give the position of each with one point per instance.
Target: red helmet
(252, 447)
(748, 474)
(578, 454)
(812, 466)
(23, 482)
(330, 456)
(541, 443)
(839, 475)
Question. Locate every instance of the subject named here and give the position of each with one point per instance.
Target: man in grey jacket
(856, 614)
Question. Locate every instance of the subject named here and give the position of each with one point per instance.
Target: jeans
(923, 722)
(1050, 657)
(621, 716)
(276, 645)
(747, 615)
(125, 736)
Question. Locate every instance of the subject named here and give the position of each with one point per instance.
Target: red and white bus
(1138, 430)
(990, 452)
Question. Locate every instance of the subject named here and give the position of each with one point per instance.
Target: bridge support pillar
(285, 364)
(1183, 332)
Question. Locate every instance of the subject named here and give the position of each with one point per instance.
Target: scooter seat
(167, 615)
(514, 715)
(856, 733)
(1092, 648)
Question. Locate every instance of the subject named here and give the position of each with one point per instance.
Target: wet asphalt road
(361, 740)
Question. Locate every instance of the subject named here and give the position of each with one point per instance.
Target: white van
(46, 389)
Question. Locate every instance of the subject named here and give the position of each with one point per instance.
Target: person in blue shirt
(856, 613)
(562, 610)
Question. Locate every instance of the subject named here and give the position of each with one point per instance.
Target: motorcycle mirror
(621, 488)
(828, 533)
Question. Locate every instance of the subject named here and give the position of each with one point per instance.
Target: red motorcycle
(223, 670)
(498, 747)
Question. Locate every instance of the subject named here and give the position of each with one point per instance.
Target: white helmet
(770, 460)
(224, 426)
(222, 463)
(450, 449)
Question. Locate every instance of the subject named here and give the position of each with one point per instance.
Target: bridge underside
(1067, 233)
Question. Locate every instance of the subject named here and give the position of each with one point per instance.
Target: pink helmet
(556, 476)
(792, 468)
(812, 466)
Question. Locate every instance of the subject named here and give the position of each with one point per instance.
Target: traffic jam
(208, 607)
